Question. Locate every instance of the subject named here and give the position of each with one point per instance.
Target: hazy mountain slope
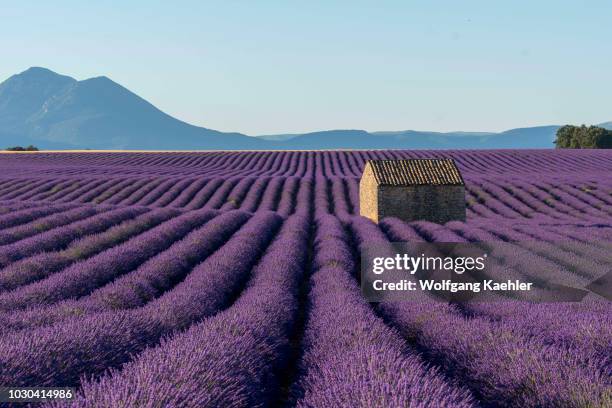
(278, 138)
(607, 125)
(10, 140)
(528, 138)
(98, 113)
(536, 137)
(24, 94)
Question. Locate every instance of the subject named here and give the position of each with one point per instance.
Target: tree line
(583, 137)
(29, 148)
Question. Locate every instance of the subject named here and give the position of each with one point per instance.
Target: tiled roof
(416, 172)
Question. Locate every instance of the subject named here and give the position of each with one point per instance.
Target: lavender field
(230, 279)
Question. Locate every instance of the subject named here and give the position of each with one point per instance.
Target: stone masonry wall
(438, 204)
(368, 195)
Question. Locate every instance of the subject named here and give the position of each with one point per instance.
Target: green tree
(583, 137)
(601, 138)
(564, 136)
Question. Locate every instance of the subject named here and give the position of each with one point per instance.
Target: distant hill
(607, 125)
(541, 137)
(53, 111)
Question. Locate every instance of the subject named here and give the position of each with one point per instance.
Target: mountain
(540, 137)
(607, 125)
(54, 111)
(43, 108)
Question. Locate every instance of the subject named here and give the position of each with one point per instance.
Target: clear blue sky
(262, 67)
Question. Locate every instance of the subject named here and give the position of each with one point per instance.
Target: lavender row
(583, 329)
(87, 346)
(145, 283)
(71, 244)
(7, 206)
(549, 261)
(328, 164)
(351, 358)
(15, 218)
(542, 262)
(529, 201)
(587, 334)
(9, 235)
(81, 278)
(340, 199)
(502, 367)
(230, 359)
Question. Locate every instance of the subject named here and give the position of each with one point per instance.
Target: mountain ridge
(53, 111)
(607, 125)
(94, 113)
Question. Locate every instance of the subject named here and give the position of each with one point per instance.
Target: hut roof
(416, 172)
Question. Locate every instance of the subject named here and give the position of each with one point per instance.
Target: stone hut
(415, 189)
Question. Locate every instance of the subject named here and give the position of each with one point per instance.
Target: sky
(272, 67)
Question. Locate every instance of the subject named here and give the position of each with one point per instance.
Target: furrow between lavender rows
(230, 359)
(41, 225)
(351, 358)
(83, 277)
(143, 284)
(502, 367)
(39, 256)
(89, 345)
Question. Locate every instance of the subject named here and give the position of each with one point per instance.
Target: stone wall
(368, 195)
(433, 203)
